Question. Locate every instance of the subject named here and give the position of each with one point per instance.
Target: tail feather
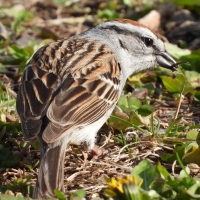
(51, 171)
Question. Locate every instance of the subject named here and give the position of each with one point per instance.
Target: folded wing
(67, 85)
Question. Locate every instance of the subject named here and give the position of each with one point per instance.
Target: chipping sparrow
(70, 87)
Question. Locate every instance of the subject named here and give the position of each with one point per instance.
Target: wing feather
(83, 103)
(67, 85)
(33, 98)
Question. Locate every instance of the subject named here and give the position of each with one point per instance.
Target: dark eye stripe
(148, 41)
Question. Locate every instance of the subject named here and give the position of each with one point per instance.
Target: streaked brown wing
(76, 81)
(34, 95)
(85, 99)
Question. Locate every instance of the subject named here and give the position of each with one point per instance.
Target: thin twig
(173, 167)
(179, 103)
(70, 178)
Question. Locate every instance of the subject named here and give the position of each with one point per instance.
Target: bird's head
(136, 46)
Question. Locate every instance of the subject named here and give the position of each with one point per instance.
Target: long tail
(51, 171)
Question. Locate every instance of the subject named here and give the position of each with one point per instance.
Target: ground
(53, 21)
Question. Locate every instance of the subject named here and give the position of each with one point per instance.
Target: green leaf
(118, 123)
(145, 110)
(108, 14)
(162, 172)
(61, 1)
(171, 84)
(168, 157)
(175, 51)
(193, 78)
(131, 192)
(20, 17)
(60, 195)
(190, 145)
(197, 96)
(153, 195)
(194, 189)
(78, 193)
(10, 197)
(172, 157)
(137, 119)
(186, 2)
(184, 176)
(193, 156)
(129, 103)
(122, 124)
(193, 59)
(136, 79)
(186, 181)
(173, 184)
(146, 171)
(192, 135)
(158, 185)
(176, 84)
(36, 145)
(128, 3)
(150, 87)
(19, 52)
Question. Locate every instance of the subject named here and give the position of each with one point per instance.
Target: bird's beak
(166, 61)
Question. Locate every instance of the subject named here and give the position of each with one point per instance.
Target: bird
(70, 87)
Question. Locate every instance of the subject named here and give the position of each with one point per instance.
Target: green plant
(153, 182)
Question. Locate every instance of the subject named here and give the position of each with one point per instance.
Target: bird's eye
(148, 41)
